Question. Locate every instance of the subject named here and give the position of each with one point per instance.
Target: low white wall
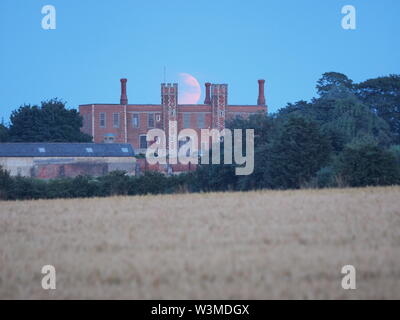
(25, 166)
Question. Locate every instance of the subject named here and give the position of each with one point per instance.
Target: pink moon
(189, 89)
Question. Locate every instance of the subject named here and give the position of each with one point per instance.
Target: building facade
(129, 123)
(57, 160)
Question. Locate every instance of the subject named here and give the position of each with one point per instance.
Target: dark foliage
(348, 136)
(51, 122)
(368, 165)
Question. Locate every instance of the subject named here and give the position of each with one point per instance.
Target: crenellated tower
(219, 101)
(169, 103)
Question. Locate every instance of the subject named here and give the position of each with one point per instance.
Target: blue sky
(289, 43)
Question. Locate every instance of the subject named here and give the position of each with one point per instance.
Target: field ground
(257, 245)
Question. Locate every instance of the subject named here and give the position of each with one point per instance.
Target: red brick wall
(51, 171)
(143, 110)
(131, 135)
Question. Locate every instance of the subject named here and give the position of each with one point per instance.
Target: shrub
(149, 183)
(6, 184)
(115, 183)
(28, 188)
(368, 165)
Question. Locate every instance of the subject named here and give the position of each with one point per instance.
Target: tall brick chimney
(207, 100)
(261, 97)
(124, 98)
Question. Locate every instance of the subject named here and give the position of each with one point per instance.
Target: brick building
(129, 123)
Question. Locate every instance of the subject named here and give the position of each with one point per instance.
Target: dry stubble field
(258, 245)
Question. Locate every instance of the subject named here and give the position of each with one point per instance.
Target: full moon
(189, 89)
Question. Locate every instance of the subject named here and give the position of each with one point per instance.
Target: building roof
(66, 150)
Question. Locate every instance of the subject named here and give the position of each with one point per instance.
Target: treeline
(358, 165)
(301, 156)
(116, 183)
(348, 136)
(113, 184)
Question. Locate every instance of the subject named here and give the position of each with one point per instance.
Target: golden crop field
(256, 245)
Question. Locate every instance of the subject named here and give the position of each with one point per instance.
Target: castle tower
(219, 100)
(169, 102)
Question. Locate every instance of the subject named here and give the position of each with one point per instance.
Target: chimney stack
(124, 98)
(207, 100)
(261, 97)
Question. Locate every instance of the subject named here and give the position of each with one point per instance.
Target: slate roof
(66, 150)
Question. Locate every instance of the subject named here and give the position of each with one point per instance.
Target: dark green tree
(266, 128)
(349, 119)
(115, 183)
(341, 114)
(51, 122)
(6, 184)
(3, 133)
(297, 154)
(334, 83)
(382, 95)
(366, 164)
(222, 177)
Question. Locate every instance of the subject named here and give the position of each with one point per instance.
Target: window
(42, 149)
(109, 138)
(116, 120)
(186, 120)
(135, 120)
(200, 120)
(142, 142)
(86, 120)
(89, 150)
(150, 118)
(102, 119)
(125, 150)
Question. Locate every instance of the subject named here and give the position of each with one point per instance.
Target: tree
(297, 154)
(115, 183)
(150, 182)
(3, 133)
(266, 128)
(334, 82)
(6, 184)
(395, 150)
(222, 177)
(342, 118)
(350, 119)
(368, 165)
(51, 122)
(382, 95)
